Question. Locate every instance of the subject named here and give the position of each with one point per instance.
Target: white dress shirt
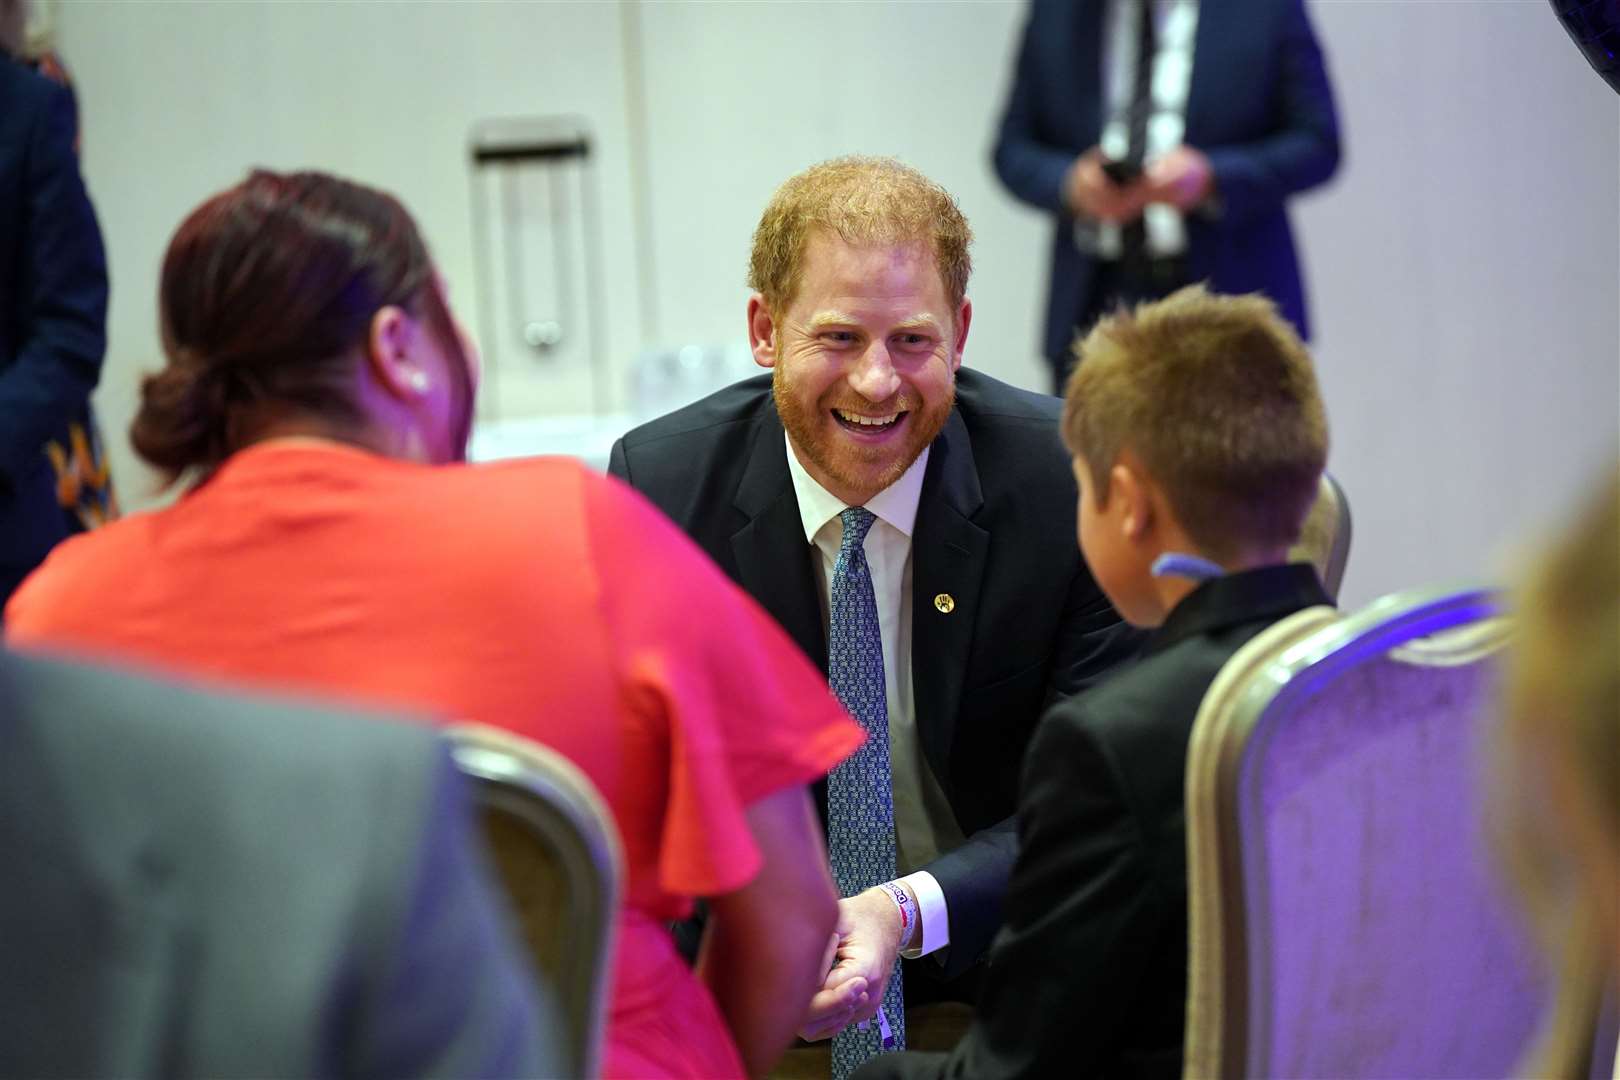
(1175, 24)
(923, 823)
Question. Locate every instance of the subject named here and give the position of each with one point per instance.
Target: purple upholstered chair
(1346, 916)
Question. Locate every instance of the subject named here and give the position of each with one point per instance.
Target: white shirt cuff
(935, 931)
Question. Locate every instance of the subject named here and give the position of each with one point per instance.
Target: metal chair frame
(560, 810)
(1329, 562)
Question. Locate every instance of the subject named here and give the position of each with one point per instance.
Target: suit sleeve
(63, 307)
(1302, 150)
(1084, 905)
(1093, 641)
(453, 996)
(973, 877)
(1032, 169)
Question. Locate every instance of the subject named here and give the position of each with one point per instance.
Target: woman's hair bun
(182, 422)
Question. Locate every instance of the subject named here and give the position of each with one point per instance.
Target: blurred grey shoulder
(183, 748)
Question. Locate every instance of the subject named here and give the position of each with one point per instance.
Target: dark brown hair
(1217, 397)
(267, 290)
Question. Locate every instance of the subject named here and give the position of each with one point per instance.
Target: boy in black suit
(1198, 438)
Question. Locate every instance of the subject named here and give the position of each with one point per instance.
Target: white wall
(1466, 273)
(179, 99)
(743, 95)
(1465, 266)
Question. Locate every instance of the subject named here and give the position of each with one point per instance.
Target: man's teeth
(867, 421)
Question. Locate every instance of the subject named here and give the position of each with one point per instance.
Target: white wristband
(909, 919)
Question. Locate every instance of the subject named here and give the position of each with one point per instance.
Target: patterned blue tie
(860, 791)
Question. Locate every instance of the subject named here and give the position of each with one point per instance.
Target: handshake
(860, 957)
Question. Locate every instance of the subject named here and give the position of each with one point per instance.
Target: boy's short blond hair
(1217, 397)
(863, 201)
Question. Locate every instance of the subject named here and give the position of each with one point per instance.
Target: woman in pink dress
(319, 393)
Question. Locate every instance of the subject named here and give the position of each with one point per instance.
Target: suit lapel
(773, 557)
(948, 553)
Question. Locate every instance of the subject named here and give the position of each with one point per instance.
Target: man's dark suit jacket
(1089, 976)
(995, 530)
(1259, 105)
(198, 885)
(53, 307)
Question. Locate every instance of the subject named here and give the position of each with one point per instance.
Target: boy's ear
(1126, 483)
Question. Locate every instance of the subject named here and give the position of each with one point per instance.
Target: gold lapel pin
(944, 603)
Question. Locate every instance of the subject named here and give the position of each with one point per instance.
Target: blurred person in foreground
(1176, 170)
(213, 886)
(53, 303)
(908, 520)
(1198, 436)
(321, 394)
(1558, 775)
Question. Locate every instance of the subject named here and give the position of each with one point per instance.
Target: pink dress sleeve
(746, 712)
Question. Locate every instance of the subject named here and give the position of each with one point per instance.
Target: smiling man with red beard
(910, 524)
(863, 361)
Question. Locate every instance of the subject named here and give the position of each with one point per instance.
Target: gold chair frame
(557, 851)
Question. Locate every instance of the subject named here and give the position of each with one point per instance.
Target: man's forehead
(825, 242)
(832, 263)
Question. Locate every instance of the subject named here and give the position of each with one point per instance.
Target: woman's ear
(392, 356)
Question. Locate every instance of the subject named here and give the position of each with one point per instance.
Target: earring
(419, 381)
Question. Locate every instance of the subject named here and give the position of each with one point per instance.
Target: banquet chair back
(1324, 539)
(1346, 918)
(557, 853)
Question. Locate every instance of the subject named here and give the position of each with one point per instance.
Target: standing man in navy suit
(983, 606)
(53, 303)
(1173, 172)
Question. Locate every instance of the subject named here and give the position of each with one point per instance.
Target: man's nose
(874, 376)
